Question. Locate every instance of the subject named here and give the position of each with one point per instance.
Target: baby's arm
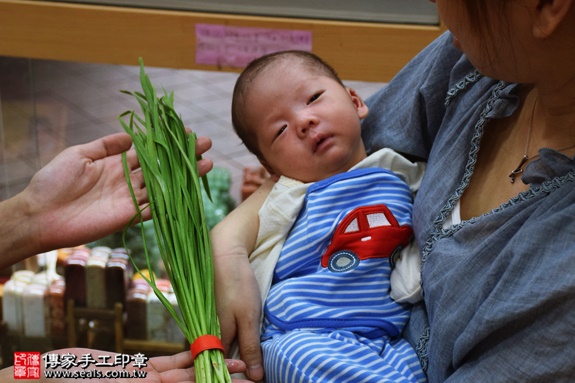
(237, 294)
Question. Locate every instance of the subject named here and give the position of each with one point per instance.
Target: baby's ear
(361, 107)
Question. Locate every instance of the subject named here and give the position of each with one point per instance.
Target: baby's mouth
(319, 141)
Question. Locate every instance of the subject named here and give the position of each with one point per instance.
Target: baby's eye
(282, 129)
(314, 97)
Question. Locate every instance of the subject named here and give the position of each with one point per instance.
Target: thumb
(108, 145)
(250, 349)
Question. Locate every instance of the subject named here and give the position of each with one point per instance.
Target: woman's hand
(79, 197)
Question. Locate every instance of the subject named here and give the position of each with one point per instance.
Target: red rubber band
(205, 342)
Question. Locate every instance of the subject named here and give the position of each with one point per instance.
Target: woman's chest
(496, 176)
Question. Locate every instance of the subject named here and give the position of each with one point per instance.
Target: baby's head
(294, 113)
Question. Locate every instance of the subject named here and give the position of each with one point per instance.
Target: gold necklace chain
(519, 169)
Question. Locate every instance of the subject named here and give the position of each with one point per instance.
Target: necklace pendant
(514, 173)
(518, 170)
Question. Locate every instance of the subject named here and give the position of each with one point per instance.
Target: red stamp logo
(26, 365)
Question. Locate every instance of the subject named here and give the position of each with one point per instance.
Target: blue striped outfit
(326, 326)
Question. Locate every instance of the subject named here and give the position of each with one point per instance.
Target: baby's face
(307, 126)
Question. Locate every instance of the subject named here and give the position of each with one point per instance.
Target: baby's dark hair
(309, 61)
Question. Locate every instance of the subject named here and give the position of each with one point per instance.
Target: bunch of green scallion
(169, 164)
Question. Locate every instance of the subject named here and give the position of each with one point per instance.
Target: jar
(96, 279)
(12, 305)
(136, 312)
(158, 317)
(57, 308)
(75, 276)
(118, 274)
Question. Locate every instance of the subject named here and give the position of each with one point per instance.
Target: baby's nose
(305, 123)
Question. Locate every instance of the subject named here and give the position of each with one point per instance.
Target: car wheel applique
(343, 260)
(395, 256)
(365, 232)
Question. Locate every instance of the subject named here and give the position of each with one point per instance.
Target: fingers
(137, 179)
(107, 146)
(203, 144)
(228, 333)
(132, 159)
(250, 350)
(176, 368)
(139, 186)
(171, 362)
(235, 366)
(140, 193)
(204, 166)
(121, 142)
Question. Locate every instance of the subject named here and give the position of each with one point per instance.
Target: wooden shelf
(119, 35)
(115, 319)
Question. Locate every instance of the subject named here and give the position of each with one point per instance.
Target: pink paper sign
(236, 46)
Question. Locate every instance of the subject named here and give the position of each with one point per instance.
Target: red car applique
(366, 232)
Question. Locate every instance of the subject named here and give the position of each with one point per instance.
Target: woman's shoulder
(406, 113)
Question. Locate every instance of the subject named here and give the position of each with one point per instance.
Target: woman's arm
(406, 114)
(237, 294)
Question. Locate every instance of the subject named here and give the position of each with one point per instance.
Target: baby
(333, 258)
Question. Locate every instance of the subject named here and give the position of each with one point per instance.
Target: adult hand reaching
(80, 196)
